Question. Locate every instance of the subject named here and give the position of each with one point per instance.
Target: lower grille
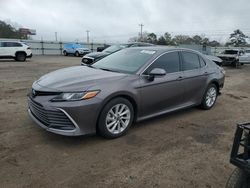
(50, 118)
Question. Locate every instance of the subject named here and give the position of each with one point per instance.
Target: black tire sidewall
(77, 54)
(101, 127)
(20, 56)
(204, 104)
(236, 179)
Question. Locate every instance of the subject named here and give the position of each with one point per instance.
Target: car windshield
(125, 61)
(114, 48)
(230, 52)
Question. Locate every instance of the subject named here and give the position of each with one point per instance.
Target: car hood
(227, 55)
(96, 55)
(77, 78)
(214, 58)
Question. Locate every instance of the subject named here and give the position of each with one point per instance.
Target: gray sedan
(130, 85)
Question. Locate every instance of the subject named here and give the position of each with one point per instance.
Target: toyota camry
(130, 85)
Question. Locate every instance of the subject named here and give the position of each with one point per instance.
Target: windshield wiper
(106, 69)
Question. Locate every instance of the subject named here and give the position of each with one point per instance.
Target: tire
(209, 97)
(111, 124)
(236, 180)
(20, 56)
(65, 53)
(77, 54)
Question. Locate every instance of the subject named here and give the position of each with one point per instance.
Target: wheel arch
(20, 51)
(125, 95)
(216, 83)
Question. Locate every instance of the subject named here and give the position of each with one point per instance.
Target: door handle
(205, 73)
(179, 78)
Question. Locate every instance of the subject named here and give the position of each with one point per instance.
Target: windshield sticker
(148, 52)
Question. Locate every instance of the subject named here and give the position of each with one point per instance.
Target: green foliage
(237, 38)
(8, 31)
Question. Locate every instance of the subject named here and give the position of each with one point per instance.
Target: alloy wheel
(211, 96)
(118, 118)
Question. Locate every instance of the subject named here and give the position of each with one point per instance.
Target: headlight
(75, 96)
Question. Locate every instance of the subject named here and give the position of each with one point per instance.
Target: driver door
(164, 92)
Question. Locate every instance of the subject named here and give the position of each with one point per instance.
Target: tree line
(237, 39)
(8, 31)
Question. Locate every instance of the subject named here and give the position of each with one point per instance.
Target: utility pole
(87, 36)
(56, 35)
(141, 25)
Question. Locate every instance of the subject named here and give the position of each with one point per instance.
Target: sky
(118, 20)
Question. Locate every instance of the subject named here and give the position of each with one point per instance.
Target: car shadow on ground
(72, 141)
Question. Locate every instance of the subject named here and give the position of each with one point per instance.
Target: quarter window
(170, 62)
(202, 62)
(190, 61)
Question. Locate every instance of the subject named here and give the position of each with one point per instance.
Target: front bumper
(78, 117)
(29, 56)
(74, 132)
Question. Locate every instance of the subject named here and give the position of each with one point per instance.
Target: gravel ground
(189, 148)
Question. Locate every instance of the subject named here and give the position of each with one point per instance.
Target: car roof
(10, 41)
(162, 49)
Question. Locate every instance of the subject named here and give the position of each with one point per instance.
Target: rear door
(194, 77)
(164, 92)
(10, 48)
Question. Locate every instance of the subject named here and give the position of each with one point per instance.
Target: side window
(190, 61)
(202, 62)
(16, 44)
(169, 61)
(11, 44)
(5, 44)
(1, 44)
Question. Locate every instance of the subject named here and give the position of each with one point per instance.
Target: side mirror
(156, 72)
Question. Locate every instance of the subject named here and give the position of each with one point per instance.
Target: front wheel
(210, 97)
(238, 179)
(20, 56)
(116, 118)
(65, 53)
(77, 54)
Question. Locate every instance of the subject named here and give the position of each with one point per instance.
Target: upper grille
(87, 60)
(51, 118)
(43, 93)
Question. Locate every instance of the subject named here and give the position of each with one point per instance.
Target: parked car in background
(96, 56)
(245, 58)
(101, 48)
(75, 49)
(231, 57)
(14, 50)
(130, 85)
(215, 59)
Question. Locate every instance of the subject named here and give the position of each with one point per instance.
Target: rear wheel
(210, 97)
(116, 118)
(20, 56)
